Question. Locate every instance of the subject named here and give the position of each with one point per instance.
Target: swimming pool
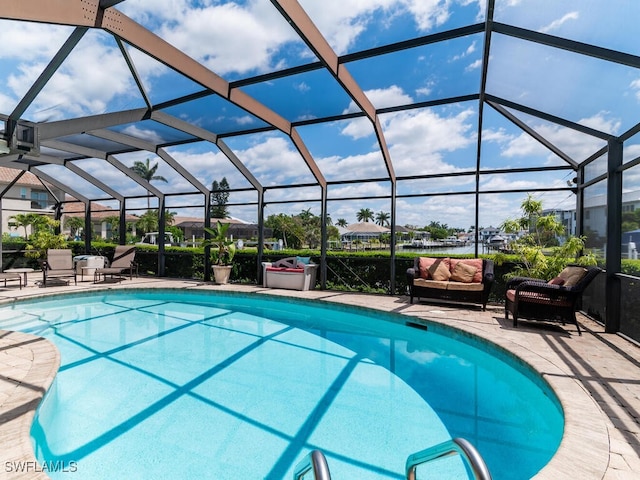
(175, 384)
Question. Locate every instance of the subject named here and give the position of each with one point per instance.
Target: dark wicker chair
(536, 299)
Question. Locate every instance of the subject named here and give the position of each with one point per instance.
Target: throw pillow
(440, 270)
(474, 262)
(572, 275)
(301, 261)
(463, 273)
(424, 263)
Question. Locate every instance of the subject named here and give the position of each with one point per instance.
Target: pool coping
(584, 451)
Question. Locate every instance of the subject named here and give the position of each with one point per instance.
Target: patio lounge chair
(59, 264)
(556, 300)
(6, 276)
(123, 261)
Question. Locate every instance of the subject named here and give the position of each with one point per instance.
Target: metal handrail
(457, 445)
(314, 461)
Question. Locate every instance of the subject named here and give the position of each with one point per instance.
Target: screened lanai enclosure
(449, 111)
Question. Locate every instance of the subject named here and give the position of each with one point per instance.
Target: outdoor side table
(24, 271)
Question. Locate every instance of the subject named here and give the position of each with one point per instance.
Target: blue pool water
(173, 384)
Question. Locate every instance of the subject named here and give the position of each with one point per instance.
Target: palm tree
(364, 215)
(144, 170)
(341, 222)
(382, 218)
(24, 220)
(74, 224)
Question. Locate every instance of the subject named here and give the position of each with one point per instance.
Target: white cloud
(576, 145)
(383, 97)
(429, 13)
(635, 85)
(418, 139)
(341, 21)
(556, 24)
(79, 86)
(358, 128)
(368, 165)
(473, 65)
(30, 42)
(230, 38)
(470, 49)
(274, 161)
(144, 134)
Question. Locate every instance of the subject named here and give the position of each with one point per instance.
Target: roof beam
(224, 148)
(208, 136)
(94, 181)
(197, 184)
(75, 149)
(123, 27)
(65, 188)
(134, 72)
(302, 24)
(136, 178)
(550, 118)
(61, 12)
(186, 127)
(61, 128)
(124, 139)
(570, 45)
(507, 114)
(47, 73)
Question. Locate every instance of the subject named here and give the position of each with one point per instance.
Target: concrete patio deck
(596, 375)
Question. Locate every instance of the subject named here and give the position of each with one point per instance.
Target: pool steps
(316, 463)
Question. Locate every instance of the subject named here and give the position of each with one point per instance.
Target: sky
(242, 39)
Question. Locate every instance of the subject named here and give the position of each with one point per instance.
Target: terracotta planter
(221, 273)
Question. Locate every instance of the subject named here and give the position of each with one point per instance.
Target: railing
(445, 449)
(316, 462)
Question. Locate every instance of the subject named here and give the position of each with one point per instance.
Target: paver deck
(596, 376)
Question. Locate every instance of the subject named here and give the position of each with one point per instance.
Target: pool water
(174, 384)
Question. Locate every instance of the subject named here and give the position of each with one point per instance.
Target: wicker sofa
(292, 273)
(451, 279)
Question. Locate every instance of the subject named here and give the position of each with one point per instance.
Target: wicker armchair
(556, 300)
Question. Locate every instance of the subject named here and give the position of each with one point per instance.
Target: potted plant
(222, 252)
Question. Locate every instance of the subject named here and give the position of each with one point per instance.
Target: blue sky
(239, 40)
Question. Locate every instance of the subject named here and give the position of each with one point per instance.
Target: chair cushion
(535, 297)
(285, 269)
(438, 285)
(572, 275)
(463, 272)
(465, 287)
(474, 262)
(556, 281)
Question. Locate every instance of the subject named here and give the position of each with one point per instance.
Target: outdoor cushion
(556, 281)
(572, 275)
(440, 271)
(463, 272)
(536, 297)
(438, 285)
(303, 260)
(465, 287)
(285, 269)
(424, 264)
(474, 262)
